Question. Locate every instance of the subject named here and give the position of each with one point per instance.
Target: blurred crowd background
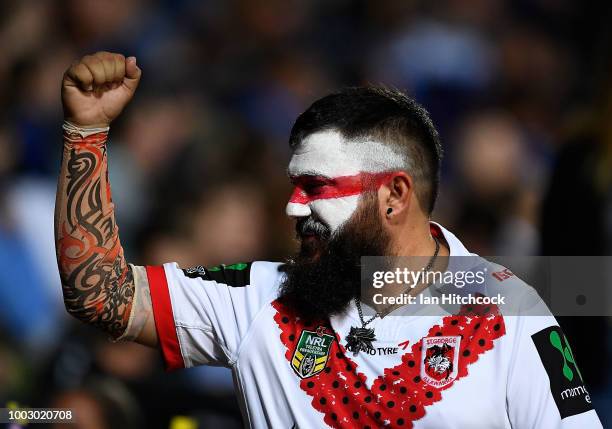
(520, 90)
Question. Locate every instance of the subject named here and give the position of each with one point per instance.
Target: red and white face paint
(330, 173)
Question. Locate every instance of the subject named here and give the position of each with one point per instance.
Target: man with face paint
(303, 350)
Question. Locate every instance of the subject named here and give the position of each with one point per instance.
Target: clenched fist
(96, 88)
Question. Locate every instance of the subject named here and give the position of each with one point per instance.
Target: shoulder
(474, 275)
(259, 277)
(238, 274)
(501, 279)
(523, 308)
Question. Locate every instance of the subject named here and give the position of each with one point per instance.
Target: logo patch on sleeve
(566, 384)
(235, 275)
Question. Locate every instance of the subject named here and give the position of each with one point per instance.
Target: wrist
(86, 124)
(73, 132)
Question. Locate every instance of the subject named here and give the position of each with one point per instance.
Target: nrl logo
(441, 357)
(311, 352)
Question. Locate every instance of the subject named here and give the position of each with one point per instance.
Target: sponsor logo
(234, 275)
(566, 385)
(502, 275)
(576, 391)
(311, 352)
(239, 266)
(197, 271)
(439, 366)
(384, 351)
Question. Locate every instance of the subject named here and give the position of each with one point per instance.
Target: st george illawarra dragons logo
(440, 360)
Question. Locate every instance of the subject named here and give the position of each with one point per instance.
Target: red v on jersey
(399, 396)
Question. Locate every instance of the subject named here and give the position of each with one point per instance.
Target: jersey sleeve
(203, 314)
(545, 387)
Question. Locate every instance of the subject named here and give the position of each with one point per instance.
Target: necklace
(359, 339)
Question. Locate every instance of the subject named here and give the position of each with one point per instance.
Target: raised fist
(96, 88)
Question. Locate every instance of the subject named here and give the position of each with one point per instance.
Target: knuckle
(81, 71)
(89, 60)
(96, 60)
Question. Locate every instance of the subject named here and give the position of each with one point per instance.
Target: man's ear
(398, 194)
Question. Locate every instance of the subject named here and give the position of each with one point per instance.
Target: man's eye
(313, 188)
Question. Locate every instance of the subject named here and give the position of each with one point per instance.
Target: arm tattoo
(97, 282)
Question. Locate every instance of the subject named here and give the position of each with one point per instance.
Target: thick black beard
(323, 287)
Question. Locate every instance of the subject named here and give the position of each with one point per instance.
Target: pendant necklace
(359, 339)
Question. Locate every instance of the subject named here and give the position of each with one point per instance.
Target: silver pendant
(360, 339)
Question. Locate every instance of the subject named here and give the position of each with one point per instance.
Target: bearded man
(304, 350)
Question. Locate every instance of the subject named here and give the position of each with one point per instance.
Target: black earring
(389, 210)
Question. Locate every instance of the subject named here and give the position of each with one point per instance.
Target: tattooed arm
(97, 282)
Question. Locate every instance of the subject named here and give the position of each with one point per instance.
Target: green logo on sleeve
(239, 266)
(566, 385)
(566, 353)
(234, 275)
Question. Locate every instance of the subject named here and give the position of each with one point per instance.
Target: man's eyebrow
(308, 173)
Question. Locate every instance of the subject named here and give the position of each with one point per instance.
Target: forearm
(97, 282)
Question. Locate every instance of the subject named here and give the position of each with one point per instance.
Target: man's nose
(297, 209)
(298, 204)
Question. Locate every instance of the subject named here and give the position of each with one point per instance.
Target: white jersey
(424, 372)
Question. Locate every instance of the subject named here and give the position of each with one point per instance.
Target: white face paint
(333, 212)
(327, 169)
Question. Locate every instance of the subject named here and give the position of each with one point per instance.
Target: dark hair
(389, 116)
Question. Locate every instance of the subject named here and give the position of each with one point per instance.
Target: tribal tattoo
(97, 282)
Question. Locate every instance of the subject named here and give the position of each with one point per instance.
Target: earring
(389, 210)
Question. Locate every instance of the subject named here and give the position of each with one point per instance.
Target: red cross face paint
(311, 188)
(330, 173)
